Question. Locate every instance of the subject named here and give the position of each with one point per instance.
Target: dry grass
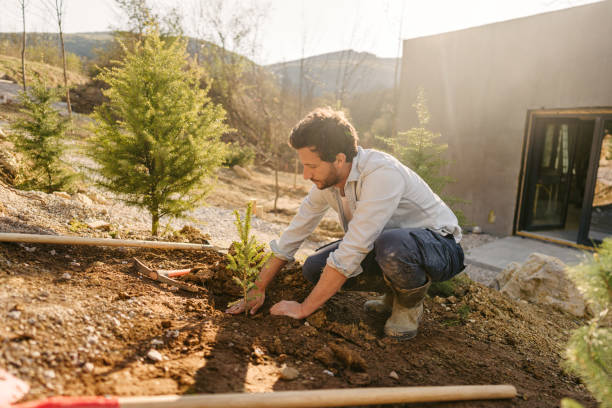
(52, 76)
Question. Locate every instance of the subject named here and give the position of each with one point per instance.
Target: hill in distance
(357, 72)
(325, 74)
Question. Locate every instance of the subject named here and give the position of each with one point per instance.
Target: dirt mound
(81, 321)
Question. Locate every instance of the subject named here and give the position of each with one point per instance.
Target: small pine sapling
(248, 257)
(419, 150)
(40, 138)
(589, 351)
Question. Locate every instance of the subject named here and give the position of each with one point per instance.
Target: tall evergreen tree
(157, 141)
(39, 137)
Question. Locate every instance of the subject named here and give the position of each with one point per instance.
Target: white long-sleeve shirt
(382, 194)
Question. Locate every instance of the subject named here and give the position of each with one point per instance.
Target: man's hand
(330, 282)
(288, 308)
(256, 298)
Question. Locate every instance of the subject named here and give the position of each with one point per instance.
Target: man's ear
(340, 159)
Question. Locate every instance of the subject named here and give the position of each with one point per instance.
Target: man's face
(323, 174)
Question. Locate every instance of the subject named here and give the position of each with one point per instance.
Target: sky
(291, 29)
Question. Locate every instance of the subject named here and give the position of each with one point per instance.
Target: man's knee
(398, 256)
(393, 245)
(312, 269)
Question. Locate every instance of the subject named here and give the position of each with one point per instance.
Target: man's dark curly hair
(328, 132)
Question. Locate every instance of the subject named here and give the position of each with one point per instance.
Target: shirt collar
(355, 172)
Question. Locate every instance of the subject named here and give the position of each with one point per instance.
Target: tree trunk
(154, 221)
(23, 46)
(65, 75)
(276, 186)
(396, 79)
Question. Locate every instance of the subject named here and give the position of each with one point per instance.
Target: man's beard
(331, 180)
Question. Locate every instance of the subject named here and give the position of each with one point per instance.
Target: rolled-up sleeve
(309, 215)
(381, 192)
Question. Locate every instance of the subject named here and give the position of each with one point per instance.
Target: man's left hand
(288, 308)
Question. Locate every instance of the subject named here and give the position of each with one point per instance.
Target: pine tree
(157, 141)
(247, 257)
(417, 148)
(589, 351)
(40, 138)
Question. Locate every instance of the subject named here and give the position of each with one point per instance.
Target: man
(397, 230)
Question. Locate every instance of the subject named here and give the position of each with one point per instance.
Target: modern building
(526, 108)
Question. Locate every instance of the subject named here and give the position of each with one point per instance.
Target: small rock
(258, 352)
(288, 373)
(98, 225)
(53, 252)
(327, 372)
(49, 374)
(154, 355)
(157, 342)
(92, 339)
(115, 322)
(65, 277)
(394, 375)
(62, 194)
(30, 249)
(88, 367)
(476, 230)
(32, 321)
(172, 334)
(14, 314)
(452, 299)
(438, 300)
(83, 199)
(98, 198)
(75, 263)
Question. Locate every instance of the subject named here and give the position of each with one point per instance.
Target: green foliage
(157, 141)
(589, 351)
(238, 155)
(77, 226)
(454, 286)
(39, 137)
(417, 148)
(248, 256)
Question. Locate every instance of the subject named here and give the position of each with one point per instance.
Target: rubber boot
(407, 311)
(381, 304)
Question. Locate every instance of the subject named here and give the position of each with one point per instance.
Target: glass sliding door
(601, 213)
(550, 173)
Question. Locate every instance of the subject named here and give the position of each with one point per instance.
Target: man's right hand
(256, 298)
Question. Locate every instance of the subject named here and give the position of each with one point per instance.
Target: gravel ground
(40, 213)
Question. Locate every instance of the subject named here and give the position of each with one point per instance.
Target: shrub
(589, 351)
(40, 138)
(238, 155)
(157, 141)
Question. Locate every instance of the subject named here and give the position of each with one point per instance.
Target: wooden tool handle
(70, 240)
(325, 398)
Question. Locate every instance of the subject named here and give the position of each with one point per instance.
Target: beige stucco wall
(480, 83)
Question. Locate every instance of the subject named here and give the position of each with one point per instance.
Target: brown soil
(89, 333)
